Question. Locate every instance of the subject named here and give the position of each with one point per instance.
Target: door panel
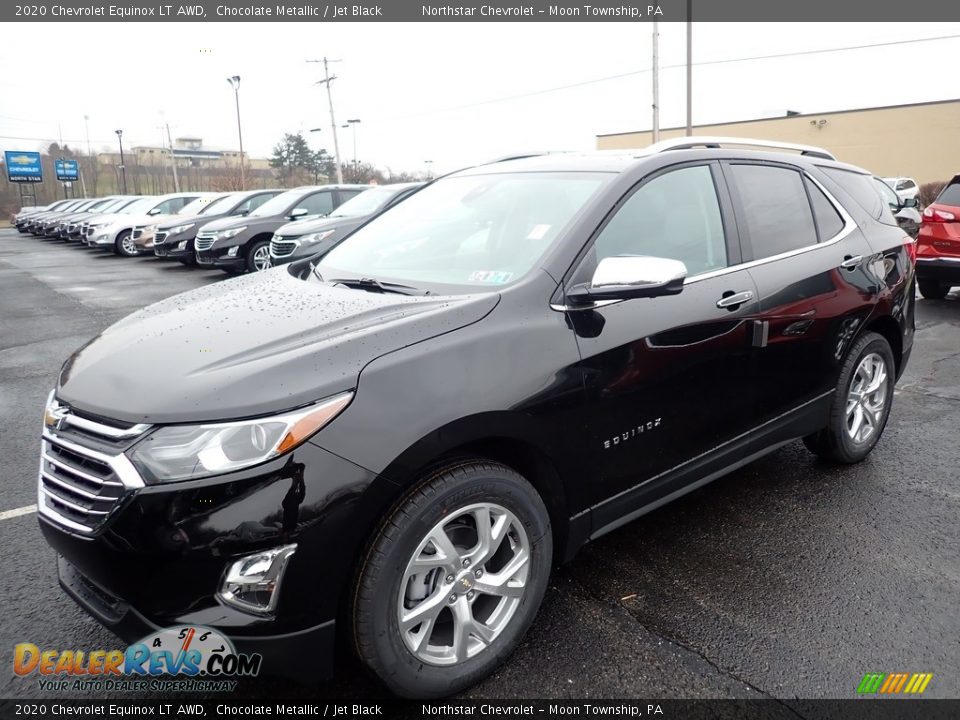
(667, 379)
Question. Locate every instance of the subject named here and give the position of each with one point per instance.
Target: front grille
(84, 474)
(71, 228)
(159, 238)
(204, 242)
(282, 247)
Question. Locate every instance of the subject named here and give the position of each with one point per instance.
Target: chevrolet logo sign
(22, 160)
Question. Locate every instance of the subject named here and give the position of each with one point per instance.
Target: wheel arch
(889, 328)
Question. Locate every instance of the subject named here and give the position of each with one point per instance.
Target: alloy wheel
(867, 398)
(129, 247)
(261, 258)
(463, 584)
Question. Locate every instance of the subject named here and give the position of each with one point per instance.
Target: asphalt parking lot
(788, 578)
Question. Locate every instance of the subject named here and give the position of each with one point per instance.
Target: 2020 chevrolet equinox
(394, 444)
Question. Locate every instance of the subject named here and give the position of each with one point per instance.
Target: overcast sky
(442, 92)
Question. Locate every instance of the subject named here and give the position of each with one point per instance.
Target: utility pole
(235, 84)
(327, 79)
(689, 68)
(173, 162)
(656, 82)
(83, 182)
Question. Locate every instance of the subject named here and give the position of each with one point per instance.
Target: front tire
(258, 256)
(932, 290)
(860, 405)
(453, 580)
(124, 245)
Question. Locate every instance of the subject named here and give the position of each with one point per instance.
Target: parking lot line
(17, 512)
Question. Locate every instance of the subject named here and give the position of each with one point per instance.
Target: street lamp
(123, 166)
(429, 164)
(316, 167)
(235, 84)
(353, 124)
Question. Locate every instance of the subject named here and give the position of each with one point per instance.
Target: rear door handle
(850, 262)
(733, 300)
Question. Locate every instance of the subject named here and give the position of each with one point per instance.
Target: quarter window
(829, 222)
(777, 214)
(675, 215)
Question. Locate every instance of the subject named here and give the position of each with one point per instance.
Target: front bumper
(282, 654)
(218, 257)
(944, 269)
(171, 248)
(159, 558)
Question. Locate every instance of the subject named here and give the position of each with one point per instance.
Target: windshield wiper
(374, 285)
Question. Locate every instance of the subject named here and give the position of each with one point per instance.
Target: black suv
(396, 443)
(174, 239)
(238, 245)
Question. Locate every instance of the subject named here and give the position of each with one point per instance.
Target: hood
(176, 220)
(100, 217)
(133, 220)
(254, 345)
(303, 227)
(229, 223)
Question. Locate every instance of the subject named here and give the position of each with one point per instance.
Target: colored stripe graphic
(894, 683)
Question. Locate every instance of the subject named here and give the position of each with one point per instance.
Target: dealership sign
(23, 166)
(67, 170)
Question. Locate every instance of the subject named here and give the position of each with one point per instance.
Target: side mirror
(911, 202)
(631, 276)
(297, 213)
(155, 211)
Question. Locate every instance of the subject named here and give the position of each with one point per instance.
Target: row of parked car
(233, 231)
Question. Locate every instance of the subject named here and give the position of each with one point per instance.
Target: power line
(724, 61)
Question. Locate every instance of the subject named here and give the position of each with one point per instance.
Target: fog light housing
(232, 252)
(252, 583)
(182, 245)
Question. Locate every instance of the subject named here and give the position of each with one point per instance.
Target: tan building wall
(921, 141)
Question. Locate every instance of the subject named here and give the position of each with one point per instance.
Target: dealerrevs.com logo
(186, 658)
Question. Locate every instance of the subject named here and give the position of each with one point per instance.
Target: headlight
(180, 452)
(181, 228)
(227, 234)
(151, 228)
(316, 237)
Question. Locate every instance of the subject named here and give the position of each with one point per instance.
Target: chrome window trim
(849, 225)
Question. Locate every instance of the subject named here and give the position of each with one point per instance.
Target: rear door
(809, 262)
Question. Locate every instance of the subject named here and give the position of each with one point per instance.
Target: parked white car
(116, 231)
(905, 187)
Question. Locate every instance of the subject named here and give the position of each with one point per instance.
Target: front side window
(675, 215)
(317, 204)
(470, 230)
(776, 213)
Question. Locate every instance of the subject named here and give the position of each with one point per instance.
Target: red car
(938, 246)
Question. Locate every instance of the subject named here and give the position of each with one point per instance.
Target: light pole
(235, 84)
(429, 164)
(123, 166)
(353, 125)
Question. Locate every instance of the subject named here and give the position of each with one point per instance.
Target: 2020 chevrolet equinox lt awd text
(409, 433)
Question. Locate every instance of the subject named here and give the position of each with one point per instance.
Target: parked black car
(396, 444)
(307, 238)
(175, 240)
(238, 245)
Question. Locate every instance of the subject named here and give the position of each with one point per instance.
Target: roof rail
(685, 143)
(520, 156)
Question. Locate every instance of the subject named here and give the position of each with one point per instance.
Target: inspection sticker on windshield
(494, 277)
(537, 232)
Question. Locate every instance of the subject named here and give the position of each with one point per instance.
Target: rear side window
(777, 213)
(860, 188)
(950, 194)
(829, 222)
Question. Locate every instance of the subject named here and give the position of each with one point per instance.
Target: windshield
(221, 205)
(140, 206)
(276, 205)
(194, 207)
(481, 230)
(366, 203)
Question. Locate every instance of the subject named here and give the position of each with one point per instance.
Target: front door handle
(732, 301)
(850, 262)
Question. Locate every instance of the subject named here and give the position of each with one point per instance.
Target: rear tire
(932, 290)
(860, 405)
(467, 602)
